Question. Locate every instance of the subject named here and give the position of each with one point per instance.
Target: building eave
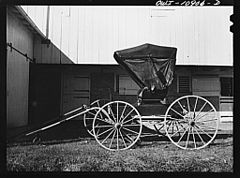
(27, 21)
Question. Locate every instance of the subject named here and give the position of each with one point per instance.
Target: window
(205, 85)
(226, 86)
(127, 86)
(184, 84)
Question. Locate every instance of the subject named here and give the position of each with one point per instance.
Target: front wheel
(117, 126)
(191, 122)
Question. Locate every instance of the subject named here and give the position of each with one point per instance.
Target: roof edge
(29, 20)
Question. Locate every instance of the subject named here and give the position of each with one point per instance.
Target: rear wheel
(117, 126)
(191, 122)
(99, 102)
(89, 116)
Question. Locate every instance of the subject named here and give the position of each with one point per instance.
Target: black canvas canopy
(149, 65)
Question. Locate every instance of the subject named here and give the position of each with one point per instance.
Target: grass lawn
(149, 156)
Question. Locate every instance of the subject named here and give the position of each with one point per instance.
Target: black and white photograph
(120, 88)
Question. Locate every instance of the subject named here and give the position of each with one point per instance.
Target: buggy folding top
(151, 67)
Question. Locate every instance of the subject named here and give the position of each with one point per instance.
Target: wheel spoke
(130, 130)
(176, 123)
(97, 132)
(127, 115)
(117, 112)
(130, 139)
(100, 114)
(177, 128)
(195, 106)
(181, 125)
(129, 120)
(176, 112)
(178, 120)
(173, 126)
(106, 114)
(169, 125)
(203, 131)
(204, 114)
(98, 103)
(105, 131)
(162, 125)
(180, 105)
(107, 136)
(91, 113)
(131, 125)
(110, 144)
(103, 126)
(115, 120)
(201, 109)
(194, 141)
(91, 130)
(103, 120)
(117, 140)
(189, 130)
(182, 136)
(123, 112)
(200, 136)
(123, 139)
(177, 132)
(189, 110)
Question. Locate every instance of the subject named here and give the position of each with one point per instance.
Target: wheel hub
(192, 123)
(118, 125)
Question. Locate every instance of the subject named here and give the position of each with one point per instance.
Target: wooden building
(77, 66)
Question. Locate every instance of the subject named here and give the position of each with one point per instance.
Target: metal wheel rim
(193, 127)
(120, 132)
(90, 119)
(98, 104)
(95, 105)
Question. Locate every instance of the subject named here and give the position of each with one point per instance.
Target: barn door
(208, 87)
(44, 93)
(102, 86)
(75, 91)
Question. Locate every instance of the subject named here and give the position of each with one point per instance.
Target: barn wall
(58, 89)
(90, 35)
(104, 82)
(44, 93)
(49, 53)
(17, 71)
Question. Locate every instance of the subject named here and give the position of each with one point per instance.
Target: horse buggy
(189, 122)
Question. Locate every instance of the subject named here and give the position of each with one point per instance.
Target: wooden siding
(17, 71)
(49, 54)
(75, 91)
(90, 35)
(34, 12)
